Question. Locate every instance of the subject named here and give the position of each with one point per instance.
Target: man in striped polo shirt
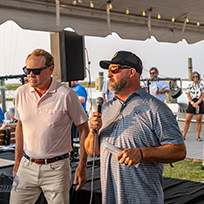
(143, 127)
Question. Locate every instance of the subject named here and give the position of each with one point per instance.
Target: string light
(109, 7)
(172, 19)
(91, 4)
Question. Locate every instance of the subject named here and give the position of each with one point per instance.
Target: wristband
(141, 154)
(192, 102)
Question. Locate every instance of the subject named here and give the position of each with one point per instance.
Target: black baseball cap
(124, 58)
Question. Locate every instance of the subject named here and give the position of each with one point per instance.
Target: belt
(46, 161)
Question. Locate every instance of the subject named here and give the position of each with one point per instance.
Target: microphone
(99, 102)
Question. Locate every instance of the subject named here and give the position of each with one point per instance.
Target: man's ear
(52, 68)
(132, 72)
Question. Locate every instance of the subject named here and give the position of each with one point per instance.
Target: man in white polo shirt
(45, 110)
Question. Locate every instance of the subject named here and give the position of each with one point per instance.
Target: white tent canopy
(45, 15)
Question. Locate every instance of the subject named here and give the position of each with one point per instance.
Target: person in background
(82, 96)
(9, 115)
(45, 110)
(1, 114)
(157, 88)
(106, 93)
(81, 92)
(195, 94)
(143, 127)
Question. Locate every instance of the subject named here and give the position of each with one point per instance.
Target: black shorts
(192, 110)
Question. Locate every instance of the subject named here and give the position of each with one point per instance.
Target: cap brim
(104, 64)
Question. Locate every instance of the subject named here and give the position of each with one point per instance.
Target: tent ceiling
(41, 15)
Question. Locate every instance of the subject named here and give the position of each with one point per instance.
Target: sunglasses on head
(35, 71)
(152, 72)
(196, 76)
(115, 69)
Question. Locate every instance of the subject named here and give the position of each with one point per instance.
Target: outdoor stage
(176, 191)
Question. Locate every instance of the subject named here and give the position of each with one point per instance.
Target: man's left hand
(129, 157)
(80, 177)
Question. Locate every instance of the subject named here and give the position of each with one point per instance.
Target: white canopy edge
(85, 21)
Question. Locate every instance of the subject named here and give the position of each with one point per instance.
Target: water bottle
(157, 90)
(197, 110)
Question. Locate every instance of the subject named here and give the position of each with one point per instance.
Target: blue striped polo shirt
(140, 121)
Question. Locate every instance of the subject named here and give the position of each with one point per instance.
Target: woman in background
(195, 94)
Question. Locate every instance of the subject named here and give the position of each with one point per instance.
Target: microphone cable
(99, 102)
(93, 165)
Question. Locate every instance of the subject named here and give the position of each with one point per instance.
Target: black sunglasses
(115, 69)
(152, 72)
(196, 76)
(35, 71)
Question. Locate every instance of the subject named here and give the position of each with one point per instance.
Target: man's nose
(110, 74)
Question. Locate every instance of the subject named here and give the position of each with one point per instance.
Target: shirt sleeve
(165, 85)
(166, 127)
(75, 109)
(188, 89)
(202, 88)
(82, 92)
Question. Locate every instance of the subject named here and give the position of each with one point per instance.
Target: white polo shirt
(47, 120)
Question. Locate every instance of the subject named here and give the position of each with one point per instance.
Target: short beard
(116, 88)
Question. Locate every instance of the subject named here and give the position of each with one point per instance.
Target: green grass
(12, 86)
(9, 99)
(15, 86)
(85, 84)
(186, 170)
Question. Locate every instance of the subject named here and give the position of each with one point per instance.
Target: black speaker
(69, 54)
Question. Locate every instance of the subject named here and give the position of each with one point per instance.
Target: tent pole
(3, 99)
(57, 12)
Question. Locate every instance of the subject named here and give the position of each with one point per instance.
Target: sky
(16, 44)
(170, 58)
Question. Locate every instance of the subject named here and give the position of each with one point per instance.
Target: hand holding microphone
(99, 103)
(95, 122)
